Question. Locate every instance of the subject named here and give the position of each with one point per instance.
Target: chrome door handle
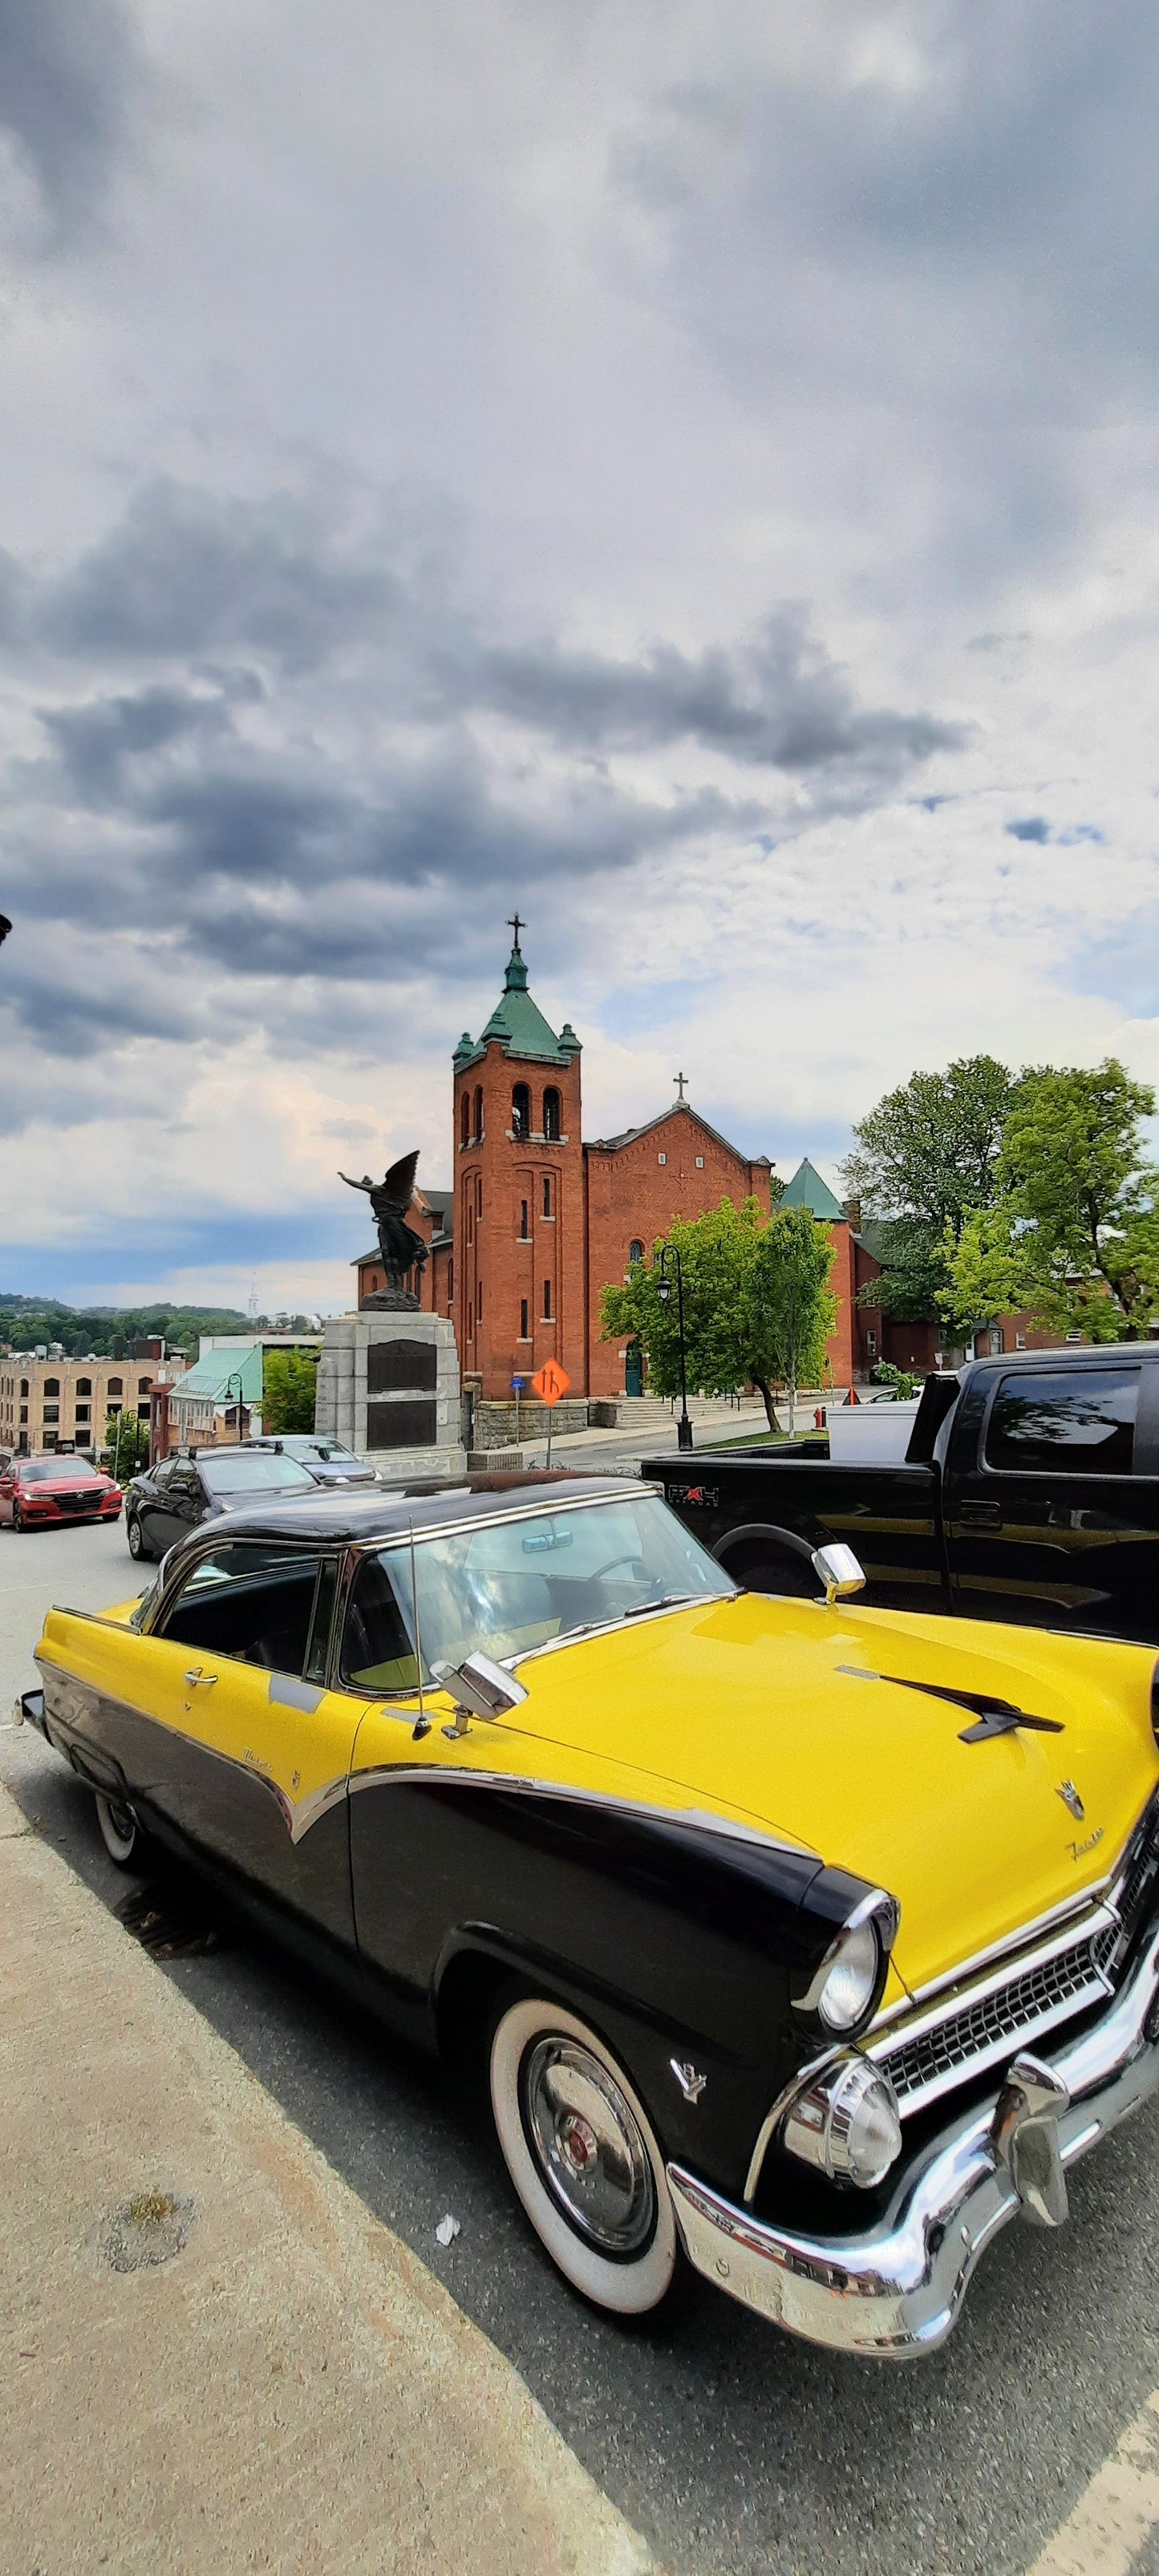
(200, 1680)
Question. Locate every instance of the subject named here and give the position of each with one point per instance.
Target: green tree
(923, 1162)
(791, 1308)
(126, 1445)
(289, 1390)
(756, 1307)
(1073, 1233)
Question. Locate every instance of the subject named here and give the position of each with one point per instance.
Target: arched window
(143, 1385)
(478, 1113)
(116, 1386)
(24, 1386)
(521, 1110)
(84, 1386)
(547, 1194)
(635, 1251)
(551, 1115)
(52, 1386)
(465, 1119)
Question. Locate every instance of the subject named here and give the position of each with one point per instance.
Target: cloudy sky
(687, 468)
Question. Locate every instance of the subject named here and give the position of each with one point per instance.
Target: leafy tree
(924, 1160)
(791, 1309)
(126, 1444)
(289, 1390)
(756, 1306)
(1073, 1234)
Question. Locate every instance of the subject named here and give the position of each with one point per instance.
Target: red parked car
(33, 1490)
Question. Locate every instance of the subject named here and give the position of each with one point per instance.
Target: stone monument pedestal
(388, 1387)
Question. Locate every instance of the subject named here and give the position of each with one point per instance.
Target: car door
(1055, 1520)
(7, 1491)
(152, 1506)
(263, 1747)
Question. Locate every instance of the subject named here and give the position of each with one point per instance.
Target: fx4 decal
(708, 1496)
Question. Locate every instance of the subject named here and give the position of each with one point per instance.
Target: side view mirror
(482, 1689)
(839, 1571)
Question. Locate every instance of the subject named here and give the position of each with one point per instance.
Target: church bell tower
(519, 1184)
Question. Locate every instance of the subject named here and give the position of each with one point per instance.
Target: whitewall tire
(581, 2152)
(120, 1832)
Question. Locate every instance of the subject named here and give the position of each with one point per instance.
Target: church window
(521, 1110)
(547, 1301)
(524, 1335)
(547, 1194)
(551, 1116)
(636, 1251)
(450, 1280)
(465, 1120)
(479, 1299)
(700, 1162)
(470, 1322)
(479, 1195)
(661, 1158)
(470, 1214)
(523, 1234)
(478, 1113)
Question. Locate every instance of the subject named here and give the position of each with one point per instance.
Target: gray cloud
(67, 75)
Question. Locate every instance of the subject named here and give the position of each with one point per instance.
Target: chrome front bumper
(895, 2292)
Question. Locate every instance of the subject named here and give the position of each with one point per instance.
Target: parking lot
(729, 2446)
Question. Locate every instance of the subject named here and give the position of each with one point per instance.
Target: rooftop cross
(515, 924)
(680, 1079)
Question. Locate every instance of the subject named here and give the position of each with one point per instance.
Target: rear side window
(1081, 1423)
(251, 1602)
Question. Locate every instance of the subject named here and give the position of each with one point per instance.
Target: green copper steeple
(518, 1023)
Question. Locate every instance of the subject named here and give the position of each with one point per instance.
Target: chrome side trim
(787, 2095)
(447, 1775)
(894, 2292)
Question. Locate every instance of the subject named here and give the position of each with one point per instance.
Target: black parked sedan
(329, 1459)
(176, 1495)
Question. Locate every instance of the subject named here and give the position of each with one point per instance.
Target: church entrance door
(634, 1370)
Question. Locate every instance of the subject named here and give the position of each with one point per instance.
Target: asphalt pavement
(735, 2450)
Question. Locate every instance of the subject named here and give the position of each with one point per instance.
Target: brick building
(538, 1221)
(48, 1402)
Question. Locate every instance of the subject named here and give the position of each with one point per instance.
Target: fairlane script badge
(1070, 1798)
(1077, 1850)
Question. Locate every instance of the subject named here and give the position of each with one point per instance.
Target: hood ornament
(1070, 1798)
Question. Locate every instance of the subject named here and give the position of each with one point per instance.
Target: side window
(1080, 1422)
(250, 1602)
(377, 1642)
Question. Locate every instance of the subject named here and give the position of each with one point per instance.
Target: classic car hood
(785, 1712)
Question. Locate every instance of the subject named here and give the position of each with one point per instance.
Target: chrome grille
(1046, 1992)
(1066, 1976)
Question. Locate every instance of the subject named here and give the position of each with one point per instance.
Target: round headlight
(846, 2123)
(845, 1994)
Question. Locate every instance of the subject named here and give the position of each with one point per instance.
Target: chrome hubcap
(588, 2145)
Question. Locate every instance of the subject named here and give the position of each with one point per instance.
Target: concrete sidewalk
(290, 2390)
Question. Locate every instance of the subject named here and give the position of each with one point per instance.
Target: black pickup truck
(1029, 1491)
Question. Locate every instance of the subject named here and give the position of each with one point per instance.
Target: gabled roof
(519, 1025)
(807, 1189)
(679, 1108)
(210, 1378)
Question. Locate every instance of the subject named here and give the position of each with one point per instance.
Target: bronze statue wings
(398, 1186)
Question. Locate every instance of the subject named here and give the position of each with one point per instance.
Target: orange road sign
(551, 1382)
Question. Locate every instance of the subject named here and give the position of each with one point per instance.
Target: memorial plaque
(408, 1423)
(394, 1368)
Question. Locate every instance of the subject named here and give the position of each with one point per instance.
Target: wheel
(580, 2150)
(136, 1538)
(120, 1832)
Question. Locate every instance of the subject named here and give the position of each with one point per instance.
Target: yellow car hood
(762, 1709)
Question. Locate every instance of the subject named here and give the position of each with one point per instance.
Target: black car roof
(422, 1505)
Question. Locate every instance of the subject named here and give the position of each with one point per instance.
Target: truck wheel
(580, 2150)
(757, 1567)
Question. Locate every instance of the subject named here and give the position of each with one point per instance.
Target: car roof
(1074, 1354)
(422, 1505)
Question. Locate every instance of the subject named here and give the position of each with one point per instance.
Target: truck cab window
(1081, 1422)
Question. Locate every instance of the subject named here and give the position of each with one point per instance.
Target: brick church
(538, 1221)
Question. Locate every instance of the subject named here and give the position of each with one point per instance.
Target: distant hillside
(25, 1321)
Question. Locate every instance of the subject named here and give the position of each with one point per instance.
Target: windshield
(300, 1445)
(54, 1471)
(513, 1585)
(259, 1471)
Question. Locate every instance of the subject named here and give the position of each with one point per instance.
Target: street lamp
(664, 1292)
(230, 1383)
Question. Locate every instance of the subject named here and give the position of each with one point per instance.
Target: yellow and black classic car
(806, 1943)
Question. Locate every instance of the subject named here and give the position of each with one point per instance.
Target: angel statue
(401, 1248)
